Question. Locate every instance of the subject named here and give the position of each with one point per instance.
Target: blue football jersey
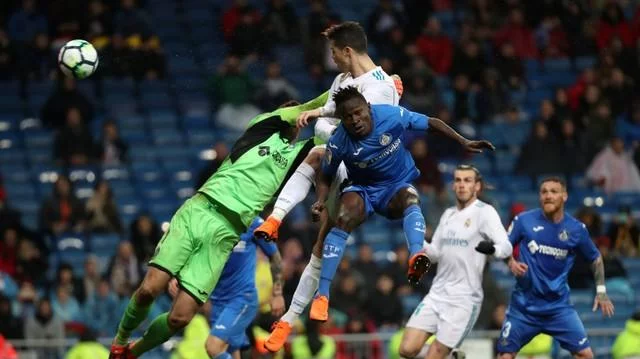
(549, 250)
(381, 157)
(239, 274)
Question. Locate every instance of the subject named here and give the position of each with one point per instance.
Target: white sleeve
(432, 249)
(329, 107)
(493, 229)
(324, 127)
(380, 93)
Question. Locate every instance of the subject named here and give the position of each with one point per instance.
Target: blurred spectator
(619, 92)
(38, 62)
(66, 96)
(44, 325)
(25, 307)
(435, 47)
(98, 24)
(561, 104)
(491, 99)
(247, 39)
(494, 303)
(114, 149)
(384, 17)
(66, 280)
(538, 153)
(319, 18)
(6, 57)
(548, 117)
(420, 96)
(8, 286)
(9, 251)
(232, 17)
(573, 17)
(10, 326)
(91, 276)
(518, 34)
(394, 47)
(348, 296)
(359, 324)
(572, 149)
(132, 23)
(32, 263)
(276, 89)
(591, 220)
(222, 151)
(313, 345)
(145, 235)
(551, 38)
(430, 179)
(464, 99)
(397, 270)
(73, 145)
(102, 213)
(233, 89)
(469, 61)
(64, 20)
(614, 170)
(117, 60)
(65, 306)
(442, 146)
(62, 211)
(151, 61)
(599, 126)
(100, 308)
(124, 270)
(366, 266)
(26, 22)
(7, 351)
(384, 305)
(510, 66)
(615, 269)
(613, 24)
(417, 69)
(626, 344)
(628, 127)
(625, 233)
(88, 347)
(281, 22)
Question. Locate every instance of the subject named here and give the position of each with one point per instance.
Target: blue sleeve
(515, 231)
(332, 158)
(268, 248)
(585, 245)
(412, 120)
(248, 235)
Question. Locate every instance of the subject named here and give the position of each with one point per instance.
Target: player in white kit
(451, 307)
(348, 44)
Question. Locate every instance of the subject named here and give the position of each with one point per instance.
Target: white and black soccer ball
(78, 58)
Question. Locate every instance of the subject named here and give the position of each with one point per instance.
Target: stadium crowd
(471, 71)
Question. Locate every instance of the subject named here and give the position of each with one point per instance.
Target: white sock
(423, 352)
(294, 191)
(307, 287)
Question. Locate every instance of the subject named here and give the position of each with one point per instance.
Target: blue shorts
(229, 320)
(519, 328)
(377, 198)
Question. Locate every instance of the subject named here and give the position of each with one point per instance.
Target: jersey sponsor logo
(582, 341)
(330, 255)
(537, 228)
(264, 151)
(280, 160)
(387, 151)
(357, 151)
(467, 223)
(564, 235)
(557, 253)
(455, 242)
(385, 139)
(378, 75)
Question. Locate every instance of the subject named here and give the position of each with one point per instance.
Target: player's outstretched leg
(154, 283)
(351, 214)
(406, 202)
(293, 192)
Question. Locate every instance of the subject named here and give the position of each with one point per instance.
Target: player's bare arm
(322, 193)
(277, 300)
(601, 300)
(469, 145)
(518, 269)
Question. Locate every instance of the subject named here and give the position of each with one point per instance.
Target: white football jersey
(376, 86)
(460, 266)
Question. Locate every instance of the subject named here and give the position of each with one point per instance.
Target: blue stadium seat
(20, 189)
(111, 173)
(482, 163)
(151, 176)
(630, 198)
(11, 103)
(163, 120)
(12, 156)
(114, 99)
(532, 67)
(492, 133)
(40, 87)
(84, 191)
(585, 62)
(157, 101)
(200, 137)
(39, 156)
(129, 122)
(150, 86)
(167, 138)
(174, 153)
(505, 162)
(142, 153)
(120, 87)
(40, 139)
(529, 199)
(10, 139)
(122, 189)
(557, 65)
(196, 122)
(104, 244)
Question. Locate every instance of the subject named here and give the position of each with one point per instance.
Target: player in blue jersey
(548, 240)
(235, 298)
(380, 169)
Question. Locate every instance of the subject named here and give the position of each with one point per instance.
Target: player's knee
(506, 356)
(314, 158)
(179, 320)
(215, 346)
(584, 354)
(409, 349)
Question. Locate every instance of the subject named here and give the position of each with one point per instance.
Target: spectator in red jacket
(435, 47)
(612, 24)
(231, 18)
(516, 32)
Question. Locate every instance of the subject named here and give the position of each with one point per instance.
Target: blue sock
(332, 253)
(414, 228)
(223, 355)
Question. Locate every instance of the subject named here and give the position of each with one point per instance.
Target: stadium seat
(163, 120)
(104, 244)
(167, 138)
(12, 156)
(505, 162)
(557, 65)
(114, 87)
(39, 139)
(585, 62)
(111, 173)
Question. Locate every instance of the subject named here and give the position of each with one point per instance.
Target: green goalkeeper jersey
(260, 162)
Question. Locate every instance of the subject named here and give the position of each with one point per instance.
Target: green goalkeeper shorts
(197, 245)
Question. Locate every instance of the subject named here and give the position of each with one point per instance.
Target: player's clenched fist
(306, 116)
(316, 210)
(397, 82)
(277, 305)
(517, 268)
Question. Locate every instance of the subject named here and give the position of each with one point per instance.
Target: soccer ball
(78, 58)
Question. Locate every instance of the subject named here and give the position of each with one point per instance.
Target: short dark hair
(348, 33)
(465, 167)
(555, 179)
(345, 94)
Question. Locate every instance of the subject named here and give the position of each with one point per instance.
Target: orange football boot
(419, 264)
(320, 309)
(280, 331)
(268, 230)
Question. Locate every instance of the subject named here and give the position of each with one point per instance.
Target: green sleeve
(290, 114)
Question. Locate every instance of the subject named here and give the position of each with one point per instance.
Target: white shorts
(333, 201)
(451, 322)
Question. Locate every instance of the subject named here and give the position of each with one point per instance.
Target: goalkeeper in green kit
(204, 230)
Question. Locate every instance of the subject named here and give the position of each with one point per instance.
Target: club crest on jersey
(564, 235)
(264, 151)
(467, 223)
(385, 139)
